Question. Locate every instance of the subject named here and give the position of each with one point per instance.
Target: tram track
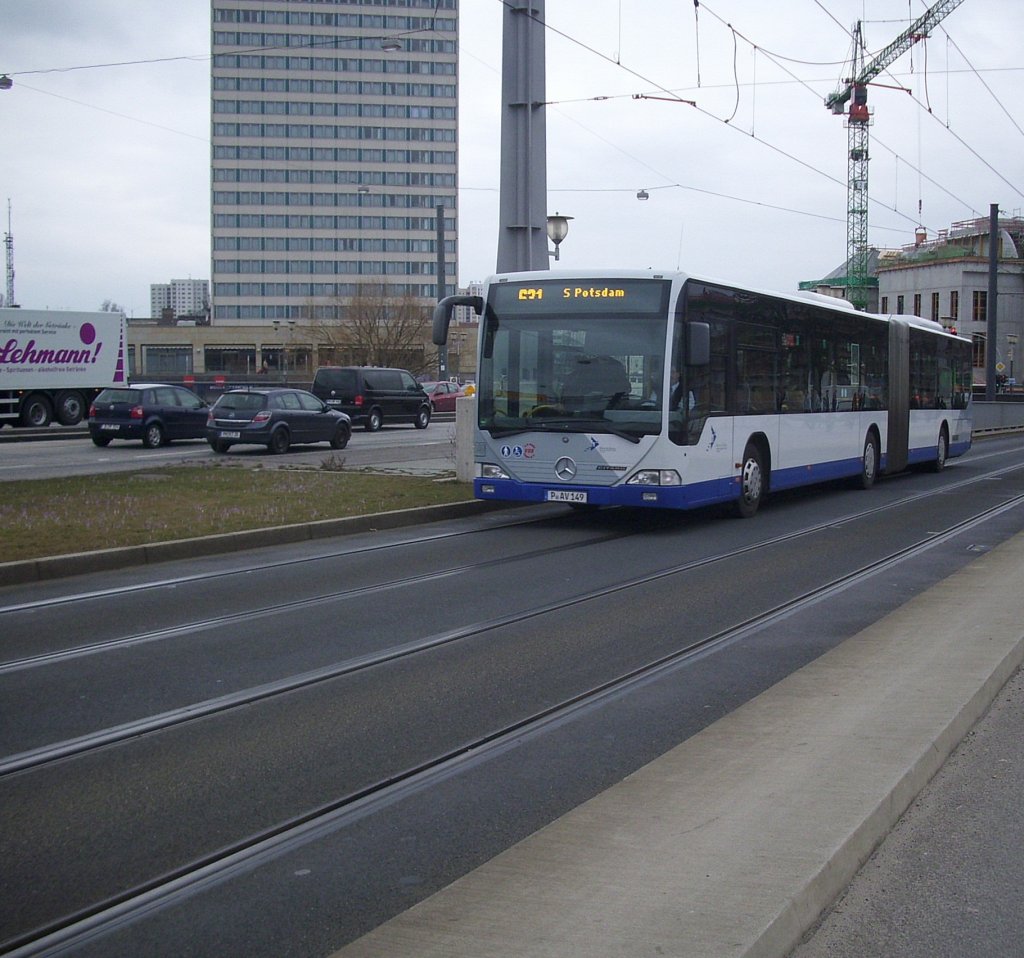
(79, 745)
(272, 566)
(178, 581)
(64, 933)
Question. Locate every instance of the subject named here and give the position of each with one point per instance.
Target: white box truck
(53, 363)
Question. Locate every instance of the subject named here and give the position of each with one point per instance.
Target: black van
(373, 395)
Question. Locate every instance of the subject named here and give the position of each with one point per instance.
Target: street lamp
(558, 229)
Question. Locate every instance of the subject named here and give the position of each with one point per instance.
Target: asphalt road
(395, 448)
(439, 637)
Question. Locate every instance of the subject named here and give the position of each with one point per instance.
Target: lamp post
(280, 356)
(558, 229)
(286, 333)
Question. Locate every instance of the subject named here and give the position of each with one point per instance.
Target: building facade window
(163, 361)
(978, 349)
(230, 359)
(954, 304)
(899, 305)
(917, 304)
(935, 307)
(979, 306)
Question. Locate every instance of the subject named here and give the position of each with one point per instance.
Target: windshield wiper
(499, 432)
(602, 425)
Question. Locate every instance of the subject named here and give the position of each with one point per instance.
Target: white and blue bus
(665, 390)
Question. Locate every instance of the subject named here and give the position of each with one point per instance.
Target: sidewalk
(946, 882)
(735, 842)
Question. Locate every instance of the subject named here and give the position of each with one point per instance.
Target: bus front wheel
(752, 483)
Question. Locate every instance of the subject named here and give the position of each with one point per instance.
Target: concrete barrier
(995, 417)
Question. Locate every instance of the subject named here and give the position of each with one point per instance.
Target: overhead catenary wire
(977, 74)
(776, 58)
(674, 96)
(880, 143)
(956, 136)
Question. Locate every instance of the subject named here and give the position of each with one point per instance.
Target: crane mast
(855, 92)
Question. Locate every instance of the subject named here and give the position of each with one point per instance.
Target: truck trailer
(53, 363)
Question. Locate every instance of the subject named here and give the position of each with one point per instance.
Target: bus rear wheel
(869, 462)
(752, 483)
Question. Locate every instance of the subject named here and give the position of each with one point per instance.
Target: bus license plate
(566, 495)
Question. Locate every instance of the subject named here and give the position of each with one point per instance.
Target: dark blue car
(154, 413)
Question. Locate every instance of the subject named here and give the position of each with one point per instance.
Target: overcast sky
(107, 169)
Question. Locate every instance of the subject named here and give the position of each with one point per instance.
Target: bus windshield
(563, 361)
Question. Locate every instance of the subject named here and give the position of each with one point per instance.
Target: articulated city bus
(666, 390)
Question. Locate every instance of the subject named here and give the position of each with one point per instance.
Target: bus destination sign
(561, 296)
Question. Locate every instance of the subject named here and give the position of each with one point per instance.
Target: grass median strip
(81, 513)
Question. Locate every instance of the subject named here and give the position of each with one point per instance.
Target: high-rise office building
(184, 297)
(334, 143)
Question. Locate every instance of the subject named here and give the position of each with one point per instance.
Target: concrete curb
(733, 843)
(55, 567)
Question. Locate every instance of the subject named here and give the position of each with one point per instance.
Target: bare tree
(109, 306)
(377, 327)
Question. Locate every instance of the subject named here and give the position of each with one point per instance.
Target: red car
(443, 395)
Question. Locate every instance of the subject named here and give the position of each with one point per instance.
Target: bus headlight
(488, 470)
(655, 477)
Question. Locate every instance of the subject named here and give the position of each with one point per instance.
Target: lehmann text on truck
(53, 363)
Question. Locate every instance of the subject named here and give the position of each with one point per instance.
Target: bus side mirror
(698, 344)
(443, 314)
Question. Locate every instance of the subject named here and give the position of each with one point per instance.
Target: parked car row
(157, 413)
(277, 417)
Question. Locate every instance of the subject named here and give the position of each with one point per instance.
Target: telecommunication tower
(9, 254)
(858, 119)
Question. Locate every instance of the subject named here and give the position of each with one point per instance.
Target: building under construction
(946, 278)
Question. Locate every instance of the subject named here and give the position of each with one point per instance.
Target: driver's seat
(597, 383)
